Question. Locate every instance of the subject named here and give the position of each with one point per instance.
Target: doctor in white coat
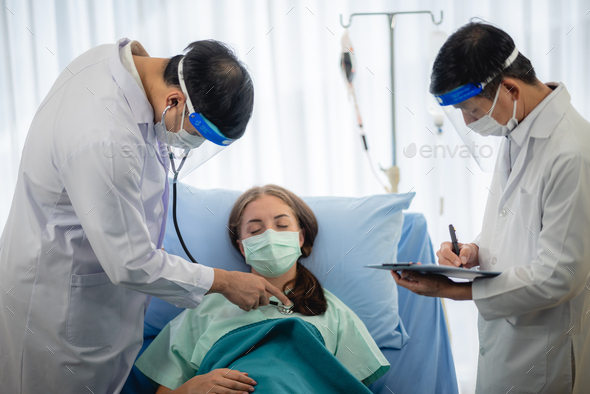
(534, 318)
(81, 251)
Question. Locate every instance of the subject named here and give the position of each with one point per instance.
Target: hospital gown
(175, 355)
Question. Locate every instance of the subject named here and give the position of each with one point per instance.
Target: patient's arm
(219, 381)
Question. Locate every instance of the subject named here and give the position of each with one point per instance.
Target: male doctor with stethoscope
(81, 251)
(534, 318)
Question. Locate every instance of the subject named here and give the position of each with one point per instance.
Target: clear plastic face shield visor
(188, 151)
(464, 114)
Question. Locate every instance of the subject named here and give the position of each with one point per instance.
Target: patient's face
(268, 212)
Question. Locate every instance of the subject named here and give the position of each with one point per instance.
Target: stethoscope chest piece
(283, 309)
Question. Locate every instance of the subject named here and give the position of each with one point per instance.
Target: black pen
(454, 240)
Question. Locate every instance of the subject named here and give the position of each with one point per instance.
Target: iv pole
(392, 172)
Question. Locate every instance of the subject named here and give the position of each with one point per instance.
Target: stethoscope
(175, 172)
(284, 309)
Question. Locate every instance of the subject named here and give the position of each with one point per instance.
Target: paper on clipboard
(451, 272)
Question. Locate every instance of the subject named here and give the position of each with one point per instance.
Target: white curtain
(302, 134)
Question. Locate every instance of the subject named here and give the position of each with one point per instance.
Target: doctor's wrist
(459, 291)
(220, 281)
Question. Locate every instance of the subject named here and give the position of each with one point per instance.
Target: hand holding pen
(457, 254)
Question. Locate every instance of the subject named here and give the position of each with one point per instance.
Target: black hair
(218, 84)
(475, 53)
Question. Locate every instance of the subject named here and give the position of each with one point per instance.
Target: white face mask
(489, 126)
(182, 139)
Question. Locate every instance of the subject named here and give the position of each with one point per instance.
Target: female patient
(272, 228)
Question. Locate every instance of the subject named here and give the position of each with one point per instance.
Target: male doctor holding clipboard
(534, 318)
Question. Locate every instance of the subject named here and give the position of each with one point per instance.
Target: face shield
(188, 151)
(468, 123)
(483, 149)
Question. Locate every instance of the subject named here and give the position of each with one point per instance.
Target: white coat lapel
(550, 113)
(523, 159)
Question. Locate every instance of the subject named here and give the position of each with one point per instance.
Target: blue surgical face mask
(272, 253)
(487, 125)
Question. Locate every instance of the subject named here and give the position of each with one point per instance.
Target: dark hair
(307, 294)
(474, 53)
(218, 84)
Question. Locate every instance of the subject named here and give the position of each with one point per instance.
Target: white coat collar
(521, 133)
(548, 112)
(538, 124)
(140, 106)
(126, 53)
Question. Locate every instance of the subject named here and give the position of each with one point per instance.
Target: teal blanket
(283, 356)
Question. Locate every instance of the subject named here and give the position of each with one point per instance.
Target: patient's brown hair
(307, 294)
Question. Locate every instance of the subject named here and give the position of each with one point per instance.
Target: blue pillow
(353, 232)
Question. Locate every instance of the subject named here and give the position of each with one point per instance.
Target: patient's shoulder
(331, 298)
(335, 305)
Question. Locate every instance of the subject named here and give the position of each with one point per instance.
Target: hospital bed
(424, 364)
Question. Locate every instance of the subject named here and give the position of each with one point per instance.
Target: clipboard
(451, 272)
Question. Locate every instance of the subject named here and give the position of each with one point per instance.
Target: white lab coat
(536, 231)
(80, 251)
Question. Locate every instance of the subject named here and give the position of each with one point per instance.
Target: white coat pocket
(94, 311)
(520, 359)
